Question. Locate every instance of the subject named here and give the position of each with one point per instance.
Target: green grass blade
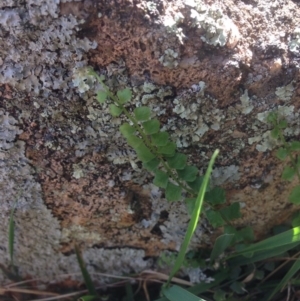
(285, 238)
(11, 234)
(204, 287)
(194, 218)
(221, 244)
(129, 292)
(85, 274)
(11, 237)
(176, 293)
(293, 270)
(262, 255)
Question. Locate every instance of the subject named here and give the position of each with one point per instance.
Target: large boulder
(211, 71)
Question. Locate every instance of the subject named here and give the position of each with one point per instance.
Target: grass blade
(194, 218)
(293, 270)
(85, 274)
(11, 233)
(261, 255)
(204, 287)
(176, 293)
(285, 238)
(129, 292)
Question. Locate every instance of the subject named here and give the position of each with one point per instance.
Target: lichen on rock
(217, 27)
(285, 93)
(73, 164)
(294, 43)
(34, 222)
(169, 59)
(25, 66)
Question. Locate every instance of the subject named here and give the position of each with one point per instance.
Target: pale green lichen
(25, 66)
(199, 127)
(171, 23)
(149, 87)
(82, 79)
(266, 142)
(77, 171)
(202, 129)
(151, 6)
(225, 174)
(216, 26)
(255, 139)
(169, 59)
(247, 107)
(200, 113)
(284, 111)
(295, 41)
(285, 93)
(216, 117)
(187, 112)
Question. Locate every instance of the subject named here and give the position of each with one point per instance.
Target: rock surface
(210, 70)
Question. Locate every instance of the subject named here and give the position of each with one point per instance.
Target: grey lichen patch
(171, 21)
(117, 155)
(9, 18)
(283, 111)
(286, 92)
(82, 79)
(8, 132)
(266, 142)
(25, 66)
(295, 41)
(115, 260)
(255, 139)
(217, 27)
(42, 8)
(169, 59)
(152, 8)
(77, 171)
(196, 114)
(226, 174)
(16, 177)
(247, 107)
(149, 87)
